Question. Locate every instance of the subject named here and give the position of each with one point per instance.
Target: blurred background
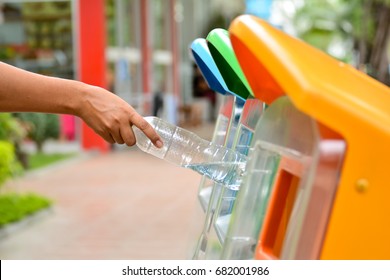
(114, 202)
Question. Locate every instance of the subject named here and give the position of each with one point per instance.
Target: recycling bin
(251, 113)
(229, 111)
(238, 138)
(318, 158)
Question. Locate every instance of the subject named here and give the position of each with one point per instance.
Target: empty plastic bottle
(188, 150)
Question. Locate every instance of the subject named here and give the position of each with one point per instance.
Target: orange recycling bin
(332, 202)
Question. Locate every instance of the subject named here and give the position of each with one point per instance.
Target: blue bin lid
(207, 66)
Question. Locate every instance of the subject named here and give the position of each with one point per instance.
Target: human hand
(112, 118)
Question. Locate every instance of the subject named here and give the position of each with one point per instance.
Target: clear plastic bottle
(186, 149)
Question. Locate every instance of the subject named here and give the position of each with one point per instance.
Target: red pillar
(146, 52)
(91, 59)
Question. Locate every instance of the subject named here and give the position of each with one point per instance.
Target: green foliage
(7, 52)
(14, 207)
(8, 164)
(41, 127)
(10, 128)
(361, 28)
(39, 160)
(356, 31)
(324, 24)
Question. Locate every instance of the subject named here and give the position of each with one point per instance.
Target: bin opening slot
(280, 208)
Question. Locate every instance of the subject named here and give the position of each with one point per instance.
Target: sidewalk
(121, 205)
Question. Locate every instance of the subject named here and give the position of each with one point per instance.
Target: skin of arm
(107, 114)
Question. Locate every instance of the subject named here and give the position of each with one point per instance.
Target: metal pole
(175, 53)
(146, 52)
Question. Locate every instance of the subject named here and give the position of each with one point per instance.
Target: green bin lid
(224, 57)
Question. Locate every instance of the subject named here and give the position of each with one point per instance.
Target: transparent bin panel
(281, 131)
(228, 196)
(214, 247)
(302, 197)
(221, 130)
(250, 205)
(209, 192)
(249, 116)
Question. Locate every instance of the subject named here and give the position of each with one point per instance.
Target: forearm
(107, 114)
(22, 91)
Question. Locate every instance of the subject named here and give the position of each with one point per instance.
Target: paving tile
(121, 205)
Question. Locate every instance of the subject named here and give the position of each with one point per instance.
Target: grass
(14, 207)
(40, 160)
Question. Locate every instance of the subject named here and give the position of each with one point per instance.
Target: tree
(371, 21)
(359, 27)
(41, 127)
(324, 24)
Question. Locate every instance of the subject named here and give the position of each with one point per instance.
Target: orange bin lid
(343, 99)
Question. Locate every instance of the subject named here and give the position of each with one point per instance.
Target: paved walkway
(121, 205)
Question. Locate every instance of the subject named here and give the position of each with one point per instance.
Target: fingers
(128, 134)
(147, 129)
(110, 135)
(117, 137)
(107, 137)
